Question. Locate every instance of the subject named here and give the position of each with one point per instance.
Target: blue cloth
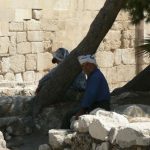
(96, 91)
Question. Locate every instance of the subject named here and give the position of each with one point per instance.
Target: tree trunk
(70, 68)
(138, 83)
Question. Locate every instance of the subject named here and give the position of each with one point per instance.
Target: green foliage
(138, 9)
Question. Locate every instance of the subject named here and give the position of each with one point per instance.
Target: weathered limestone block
(97, 5)
(118, 56)
(134, 134)
(110, 74)
(37, 47)
(1, 77)
(44, 61)
(105, 58)
(36, 14)
(17, 63)
(125, 72)
(117, 25)
(22, 14)
(12, 49)
(57, 138)
(61, 5)
(9, 76)
(48, 46)
(31, 61)
(13, 37)
(16, 26)
(128, 56)
(4, 44)
(49, 25)
(49, 36)
(24, 48)
(33, 25)
(129, 34)
(4, 28)
(112, 40)
(5, 64)
(101, 126)
(123, 16)
(82, 124)
(18, 77)
(35, 36)
(29, 76)
(6, 14)
(21, 37)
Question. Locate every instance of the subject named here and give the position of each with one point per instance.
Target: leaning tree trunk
(141, 82)
(70, 68)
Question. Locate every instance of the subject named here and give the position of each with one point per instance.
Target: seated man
(96, 93)
(78, 84)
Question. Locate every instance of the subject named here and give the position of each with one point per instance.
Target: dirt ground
(33, 141)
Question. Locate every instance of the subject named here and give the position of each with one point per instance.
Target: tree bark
(70, 68)
(138, 83)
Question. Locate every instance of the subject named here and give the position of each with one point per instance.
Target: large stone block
(4, 28)
(123, 16)
(31, 61)
(125, 72)
(49, 36)
(49, 25)
(96, 5)
(22, 14)
(12, 49)
(9, 76)
(48, 46)
(24, 48)
(118, 56)
(134, 134)
(44, 61)
(13, 37)
(37, 47)
(18, 77)
(105, 58)
(29, 76)
(112, 40)
(5, 64)
(21, 37)
(128, 56)
(33, 25)
(61, 5)
(35, 36)
(104, 122)
(16, 26)
(17, 63)
(6, 14)
(4, 44)
(36, 14)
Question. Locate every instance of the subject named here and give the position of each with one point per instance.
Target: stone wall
(31, 30)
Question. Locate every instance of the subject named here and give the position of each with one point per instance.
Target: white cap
(87, 58)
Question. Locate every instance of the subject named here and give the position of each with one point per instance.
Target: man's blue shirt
(96, 91)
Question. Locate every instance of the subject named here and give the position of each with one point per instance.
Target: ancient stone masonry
(31, 30)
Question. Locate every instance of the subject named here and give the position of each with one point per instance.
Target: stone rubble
(103, 130)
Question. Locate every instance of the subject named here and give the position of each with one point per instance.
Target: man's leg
(66, 120)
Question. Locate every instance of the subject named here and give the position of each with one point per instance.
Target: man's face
(86, 68)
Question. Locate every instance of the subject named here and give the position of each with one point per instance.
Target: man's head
(59, 55)
(88, 63)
